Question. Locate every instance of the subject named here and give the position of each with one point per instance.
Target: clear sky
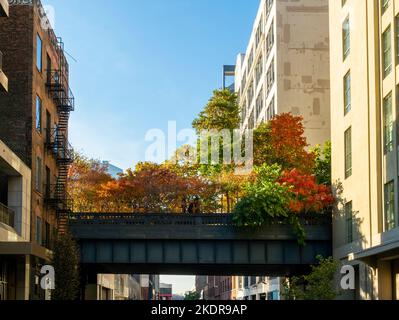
(142, 63)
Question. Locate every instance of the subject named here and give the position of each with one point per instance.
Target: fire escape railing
(56, 194)
(57, 138)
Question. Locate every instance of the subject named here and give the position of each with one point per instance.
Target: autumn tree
(306, 195)
(84, 177)
(156, 188)
(285, 195)
(281, 141)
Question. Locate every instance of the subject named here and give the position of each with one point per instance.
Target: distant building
(257, 288)
(150, 287)
(114, 287)
(166, 292)
(112, 170)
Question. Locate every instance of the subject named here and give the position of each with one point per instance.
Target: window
(38, 175)
(384, 5)
(347, 93)
(270, 39)
(259, 32)
(250, 94)
(39, 48)
(346, 38)
(348, 153)
(49, 67)
(48, 181)
(390, 222)
(270, 77)
(349, 221)
(38, 114)
(250, 60)
(387, 54)
(259, 104)
(259, 70)
(269, 4)
(39, 230)
(388, 124)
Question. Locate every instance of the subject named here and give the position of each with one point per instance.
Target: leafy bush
(264, 199)
(318, 285)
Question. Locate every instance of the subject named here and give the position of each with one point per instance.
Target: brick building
(34, 115)
(219, 288)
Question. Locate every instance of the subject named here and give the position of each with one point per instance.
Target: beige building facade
(364, 109)
(286, 66)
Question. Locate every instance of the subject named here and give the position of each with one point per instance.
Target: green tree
(66, 265)
(318, 285)
(221, 112)
(192, 295)
(322, 168)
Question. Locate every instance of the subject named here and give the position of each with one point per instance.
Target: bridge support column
(88, 285)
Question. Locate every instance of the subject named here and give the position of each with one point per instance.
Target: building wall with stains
(286, 66)
(302, 65)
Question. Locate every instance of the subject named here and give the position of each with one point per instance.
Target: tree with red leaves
(305, 193)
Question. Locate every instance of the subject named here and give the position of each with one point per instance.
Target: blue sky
(141, 63)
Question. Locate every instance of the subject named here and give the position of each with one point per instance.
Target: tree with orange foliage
(282, 141)
(155, 188)
(84, 177)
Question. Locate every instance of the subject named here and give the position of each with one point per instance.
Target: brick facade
(18, 38)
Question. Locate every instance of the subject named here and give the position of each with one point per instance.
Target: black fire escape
(57, 137)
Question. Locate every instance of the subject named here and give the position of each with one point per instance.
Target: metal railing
(7, 216)
(164, 219)
(58, 143)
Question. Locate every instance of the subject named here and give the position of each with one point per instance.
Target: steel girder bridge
(185, 244)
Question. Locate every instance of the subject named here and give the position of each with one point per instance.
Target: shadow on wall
(345, 217)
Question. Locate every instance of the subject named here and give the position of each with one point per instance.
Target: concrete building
(364, 99)
(114, 287)
(16, 251)
(286, 66)
(34, 115)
